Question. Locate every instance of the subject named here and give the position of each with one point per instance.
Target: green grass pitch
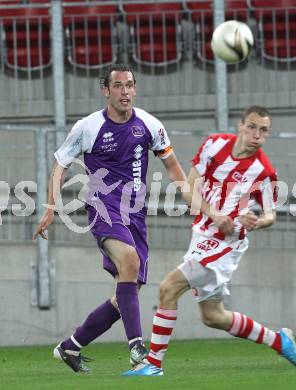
(197, 364)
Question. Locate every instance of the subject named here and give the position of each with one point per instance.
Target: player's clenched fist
(249, 220)
(224, 224)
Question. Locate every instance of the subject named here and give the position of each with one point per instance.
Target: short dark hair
(261, 111)
(105, 80)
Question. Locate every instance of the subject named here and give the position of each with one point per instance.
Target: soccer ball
(232, 41)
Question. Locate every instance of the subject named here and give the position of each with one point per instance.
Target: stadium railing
(276, 26)
(91, 35)
(174, 64)
(201, 14)
(155, 31)
(25, 35)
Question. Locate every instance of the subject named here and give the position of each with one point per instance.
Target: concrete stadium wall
(264, 287)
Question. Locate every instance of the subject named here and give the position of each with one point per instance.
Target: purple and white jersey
(115, 155)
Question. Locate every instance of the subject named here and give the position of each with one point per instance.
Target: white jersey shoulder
(208, 150)
(90, 127)
(80, 139)
(160, 139)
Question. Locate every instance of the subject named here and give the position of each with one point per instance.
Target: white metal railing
(172, 59)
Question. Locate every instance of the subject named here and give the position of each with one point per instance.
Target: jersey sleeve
(72, 147)
(161, 144)
(202, 158)
(266, 195)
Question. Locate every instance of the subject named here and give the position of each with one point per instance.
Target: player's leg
(239, 325)
(97, 322)
(172, 288)
(214, 315)
(105, 315)
(127, 263)
(188, 274)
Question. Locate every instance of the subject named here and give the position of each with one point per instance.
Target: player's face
(254, 131)
(121, 91)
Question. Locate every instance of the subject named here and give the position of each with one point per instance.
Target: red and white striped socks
(164, 322)
(244, 327)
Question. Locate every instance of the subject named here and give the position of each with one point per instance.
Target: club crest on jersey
(239, 178)
(108, 137)
(207, 245)
(138, 131)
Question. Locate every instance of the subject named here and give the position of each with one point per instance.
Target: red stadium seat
(202, 16)
(91, 35)
(276, 21)
(154, 30)
(26, 37)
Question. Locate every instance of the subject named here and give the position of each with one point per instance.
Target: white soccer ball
(232, 41)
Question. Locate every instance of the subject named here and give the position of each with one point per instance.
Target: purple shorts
(134, 234)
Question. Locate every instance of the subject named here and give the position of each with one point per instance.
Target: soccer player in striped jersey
(229, 174)
(114, 142)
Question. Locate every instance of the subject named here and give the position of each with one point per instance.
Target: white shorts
(209, 264)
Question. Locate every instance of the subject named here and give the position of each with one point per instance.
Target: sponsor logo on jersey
(138, 131)
(207, 245)
(108, 137)
(239, 178)
(137, 167)
(162, 135)
(196, 252)
(109, 145)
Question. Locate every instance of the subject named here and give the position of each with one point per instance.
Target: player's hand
(249, 221)
(46, 220)
(224, 224)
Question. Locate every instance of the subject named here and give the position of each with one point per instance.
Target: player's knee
(130, 261)
(166, 290)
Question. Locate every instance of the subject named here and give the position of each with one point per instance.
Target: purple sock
(128, 303)
(97, 323)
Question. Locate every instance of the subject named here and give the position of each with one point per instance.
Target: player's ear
(105, 91)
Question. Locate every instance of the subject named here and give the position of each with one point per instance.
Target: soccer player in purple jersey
(114, 142)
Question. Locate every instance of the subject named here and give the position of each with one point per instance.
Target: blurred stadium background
(52, 54)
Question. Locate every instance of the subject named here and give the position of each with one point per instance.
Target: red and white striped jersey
(232, 185)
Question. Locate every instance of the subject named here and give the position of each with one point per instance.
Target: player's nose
(256, 133)
(124, 90)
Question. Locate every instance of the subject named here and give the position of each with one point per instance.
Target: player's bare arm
(177, 176)
(198, 204)
(56, 180)
(266, 220)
